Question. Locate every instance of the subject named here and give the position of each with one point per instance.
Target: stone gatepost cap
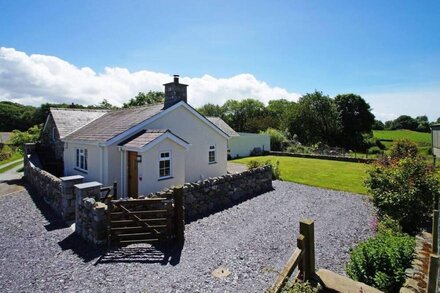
(74, 177)
(88, 185)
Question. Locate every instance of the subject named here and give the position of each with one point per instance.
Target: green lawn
(322, 173)
(7, 168)
(15, 156)
(421, 138)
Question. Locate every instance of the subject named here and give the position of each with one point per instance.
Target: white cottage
(435, 132)
(145, 149)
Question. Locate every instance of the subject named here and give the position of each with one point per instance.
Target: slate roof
(114, 122)
(69, 120)
(145, 138)
(217, 121)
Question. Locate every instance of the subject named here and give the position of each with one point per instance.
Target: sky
(85, 51)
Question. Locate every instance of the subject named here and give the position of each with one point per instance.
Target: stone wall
(56, 192)
(55, 144)
(91, 221)
(214, 194)
(417, 274)
(323, 157)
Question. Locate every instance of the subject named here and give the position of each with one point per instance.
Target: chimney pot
(176, 78)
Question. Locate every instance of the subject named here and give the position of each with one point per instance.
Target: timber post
(435, 231)
(306, 228)
(179, 215)
(434, 264)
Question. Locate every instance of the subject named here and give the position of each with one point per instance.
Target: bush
(381, 261)
(5, 153)
(19, 138)
(277, 139)
(403, 148)
(374, 150)
(252, 164)
(299, 149)
(404, 190)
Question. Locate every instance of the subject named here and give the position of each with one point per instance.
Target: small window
(211, 154)
(165, 165)
(81, 159)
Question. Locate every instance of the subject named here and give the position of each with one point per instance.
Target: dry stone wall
(91, 221)
(56, 192)
(205, 197)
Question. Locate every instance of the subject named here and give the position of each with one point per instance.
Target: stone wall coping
(88, 185)
(69, 178)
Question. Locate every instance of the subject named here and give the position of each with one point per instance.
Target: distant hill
(16, 116)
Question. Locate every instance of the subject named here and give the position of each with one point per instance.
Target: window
(52, 137)
(165, 165)
(211, 154)
(81, 159)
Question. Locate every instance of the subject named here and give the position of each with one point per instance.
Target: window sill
(165, 178)
(212, 163)
(80, 170)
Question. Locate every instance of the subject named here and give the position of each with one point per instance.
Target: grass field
(336, 175)
(4, 169)
(15, 156)
(421, 138)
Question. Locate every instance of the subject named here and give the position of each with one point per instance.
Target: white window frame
(212, 148)
(81, 154)
(169, 158)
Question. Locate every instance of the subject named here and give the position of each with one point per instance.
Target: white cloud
(35, 79)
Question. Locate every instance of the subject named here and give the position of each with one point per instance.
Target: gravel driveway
(253, 240)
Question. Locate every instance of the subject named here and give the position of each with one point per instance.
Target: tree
(388, 125)
(314, 119)
(404, 122)
(356, 118)
(142, 99)
(104, 105)
(277, 110)
(240, 114)
(378, 125)
(211, 110)
(19, 138)
(423, 124)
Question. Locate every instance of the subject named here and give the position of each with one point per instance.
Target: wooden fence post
(179, 215)
(433, 273)
(435, 232)
(306, 228)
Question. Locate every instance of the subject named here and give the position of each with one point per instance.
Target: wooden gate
(153, 220)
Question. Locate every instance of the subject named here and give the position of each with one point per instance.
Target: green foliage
(142, 99)
(315, 118)
(404, 122)
(277, 139)
(19, 138)
(211, 110)
(276, 173)
(356, 119)
(6, 153)
(404, 190)
(403, 148)
(374, 150)
(300, 149)
(378, 125)
(299, 287)
(16, 116)
(277, 110)
(381, 261)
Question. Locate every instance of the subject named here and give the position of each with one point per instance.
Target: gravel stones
(253, 240)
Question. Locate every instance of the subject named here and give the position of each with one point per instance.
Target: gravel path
(253, 240)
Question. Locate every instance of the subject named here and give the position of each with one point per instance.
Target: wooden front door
(132, 175)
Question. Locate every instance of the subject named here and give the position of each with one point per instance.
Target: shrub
(299, 149)
(374, 150)
(403, 148)
(404, 190)
(252, 164)
(5, 153)
(19, 138)
(277, 139)
(381, 261)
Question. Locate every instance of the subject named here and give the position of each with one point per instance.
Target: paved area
(253, 240)
(10, 181)
(236, 168)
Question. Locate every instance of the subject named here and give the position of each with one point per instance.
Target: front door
(132, 175)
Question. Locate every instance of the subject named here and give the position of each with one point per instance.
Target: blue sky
(388, 51)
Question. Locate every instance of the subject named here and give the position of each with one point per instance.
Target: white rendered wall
(436, 142)
(93, 161)
(148, 169)
(242, 145)
(196, 132)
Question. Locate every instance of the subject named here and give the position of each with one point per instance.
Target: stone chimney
(174, 92)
